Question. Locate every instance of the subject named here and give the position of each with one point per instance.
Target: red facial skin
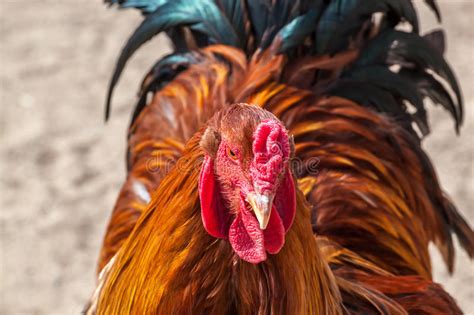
(227, 181)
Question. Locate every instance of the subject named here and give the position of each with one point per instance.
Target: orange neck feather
(170, 264)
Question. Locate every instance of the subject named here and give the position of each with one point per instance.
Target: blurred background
(61, 167)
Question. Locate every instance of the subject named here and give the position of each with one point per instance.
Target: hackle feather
(351, 87)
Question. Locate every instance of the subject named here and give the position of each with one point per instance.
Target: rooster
(275, 163)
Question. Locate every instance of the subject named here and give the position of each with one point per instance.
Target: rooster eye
(231, 154)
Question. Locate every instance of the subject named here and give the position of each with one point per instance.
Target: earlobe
(215, 217)
(285, 200)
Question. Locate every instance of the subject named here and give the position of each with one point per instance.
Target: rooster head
(246, 187)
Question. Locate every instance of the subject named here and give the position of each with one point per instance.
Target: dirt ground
(61, 167)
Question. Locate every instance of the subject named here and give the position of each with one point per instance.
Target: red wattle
(274, 234)
(249, 242)
(247, 239)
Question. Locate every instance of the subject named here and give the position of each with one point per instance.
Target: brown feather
(366, 179)
(189, 272)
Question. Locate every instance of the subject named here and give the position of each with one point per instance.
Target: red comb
(271, 150)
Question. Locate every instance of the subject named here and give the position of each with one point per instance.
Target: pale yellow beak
(262, 207)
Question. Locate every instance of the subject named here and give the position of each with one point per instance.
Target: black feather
(282, 12)
(203, 16)
(343, 19)
(233, 10)
(330, 23)
(412, 52)
(259, 12)
(329, 26)
(294, 33)
(163, 72)
(429, 87)
(409, 48)
(437, 40)
(399, 87)
(373, 97)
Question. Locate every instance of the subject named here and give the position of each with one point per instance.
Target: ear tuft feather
(210, 141)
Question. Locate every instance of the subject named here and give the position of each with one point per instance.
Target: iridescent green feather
(316, 27)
